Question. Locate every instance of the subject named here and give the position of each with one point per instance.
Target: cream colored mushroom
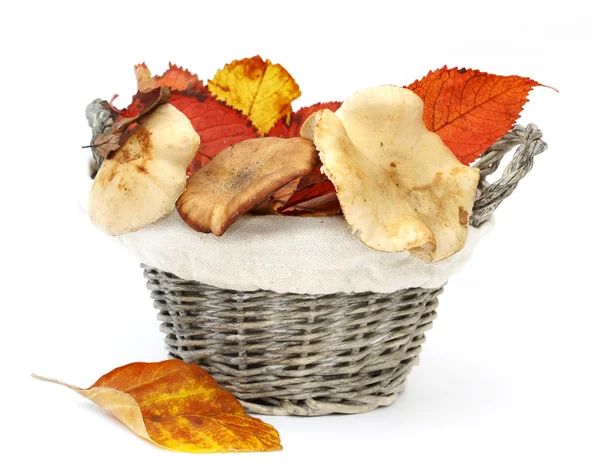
(398, 185)
(241, 177)
(140, 182)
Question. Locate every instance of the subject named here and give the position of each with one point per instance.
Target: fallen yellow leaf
(178, 406)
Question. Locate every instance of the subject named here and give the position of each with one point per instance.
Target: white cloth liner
(285, 254)
(288, 254)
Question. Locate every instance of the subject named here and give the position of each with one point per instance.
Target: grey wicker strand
(491, 195)
(306, 354)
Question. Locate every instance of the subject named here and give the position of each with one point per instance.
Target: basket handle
(99, 117)
(489, 196)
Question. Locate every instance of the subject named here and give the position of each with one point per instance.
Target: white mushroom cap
(398, 185)
(140, 182)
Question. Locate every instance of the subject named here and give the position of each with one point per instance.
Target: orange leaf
(261, 90)
(176, 78)
(178, 406)
(292, 129)
(470, 109)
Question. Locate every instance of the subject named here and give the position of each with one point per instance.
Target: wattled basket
(306, 354)
(283, 353)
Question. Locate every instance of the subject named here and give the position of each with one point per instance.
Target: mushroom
(398, 185)
(241, 177)
(140, 182)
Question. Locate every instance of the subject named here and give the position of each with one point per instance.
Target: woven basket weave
(302, 354)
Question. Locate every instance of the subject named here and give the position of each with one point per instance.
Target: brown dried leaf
(116, 134)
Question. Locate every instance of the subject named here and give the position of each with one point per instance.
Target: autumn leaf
(280, 196)
(176, 78)
(178, 406)
(218, 125)
(259, 89)
(470, 109)
(297, 118)
(313, 194)
(312, 202)
(313, 198)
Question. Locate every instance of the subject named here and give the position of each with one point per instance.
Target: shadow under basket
(309, 355)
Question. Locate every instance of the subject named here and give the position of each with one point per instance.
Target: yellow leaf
(262, 91)
(178, 406)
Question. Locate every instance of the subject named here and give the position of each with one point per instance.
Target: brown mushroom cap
(241, 177)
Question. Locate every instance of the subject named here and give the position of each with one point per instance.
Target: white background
(509, 375)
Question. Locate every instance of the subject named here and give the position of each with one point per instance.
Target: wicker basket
(302, 354)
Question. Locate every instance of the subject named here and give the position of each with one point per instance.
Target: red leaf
(310, 194)
(218, 125)
(325, 205)
(292, 129)
(317, 199)
(313, 194)
(470, 109)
